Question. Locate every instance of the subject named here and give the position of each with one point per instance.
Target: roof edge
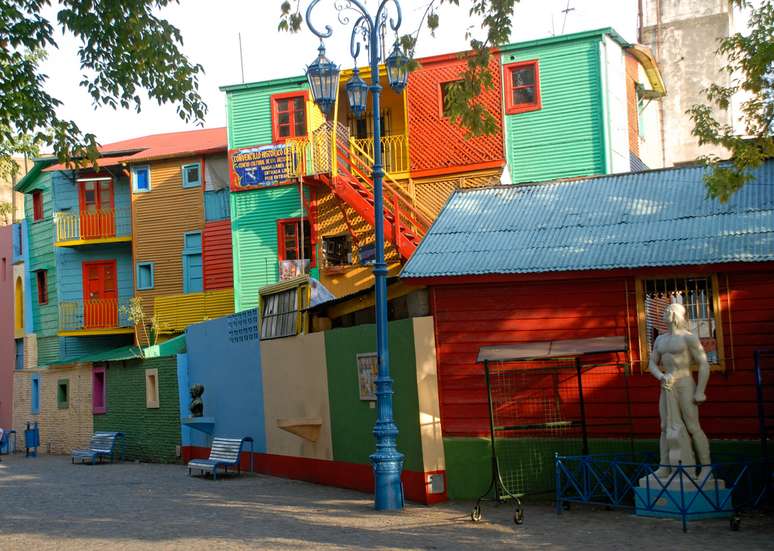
(609, 31)
(263, 84)
(33, 173)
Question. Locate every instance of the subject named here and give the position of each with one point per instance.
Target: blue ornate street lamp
(387, 461)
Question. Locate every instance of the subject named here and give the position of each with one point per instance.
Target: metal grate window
(696, 295)
(279, 317)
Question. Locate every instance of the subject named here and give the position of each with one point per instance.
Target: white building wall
(614, 66)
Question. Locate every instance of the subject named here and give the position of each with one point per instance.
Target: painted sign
(367, 371)
(256, 167)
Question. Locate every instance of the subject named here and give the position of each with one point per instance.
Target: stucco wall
(295, 382)
(61, 430)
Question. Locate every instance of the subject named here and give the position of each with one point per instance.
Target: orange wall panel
(160, 217)
(434, 141)
(632, 76)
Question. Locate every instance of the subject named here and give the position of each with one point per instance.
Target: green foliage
(124, 48)
(462, 100)
(6, 212)
(750, 64)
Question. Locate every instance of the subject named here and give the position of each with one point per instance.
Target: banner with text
(256, 167)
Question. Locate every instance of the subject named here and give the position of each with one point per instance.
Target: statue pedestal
(202, 424)
(655, 498)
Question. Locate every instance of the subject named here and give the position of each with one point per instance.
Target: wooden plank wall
(474, 315)
(160, 218)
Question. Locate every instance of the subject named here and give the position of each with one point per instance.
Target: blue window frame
(192, 175)
(35, 398)
(193, 273)
(144, 276)
(19, 353)
(141, 179)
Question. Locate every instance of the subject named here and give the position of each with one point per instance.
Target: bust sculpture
(674, 352)
(197, 405)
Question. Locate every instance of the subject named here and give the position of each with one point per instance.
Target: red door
(100, 296)
(97, 213)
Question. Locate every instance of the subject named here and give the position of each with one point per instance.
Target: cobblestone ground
(47, 503)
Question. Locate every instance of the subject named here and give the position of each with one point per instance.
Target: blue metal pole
(387, 461)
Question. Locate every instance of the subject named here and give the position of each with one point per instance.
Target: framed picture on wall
(367, 370)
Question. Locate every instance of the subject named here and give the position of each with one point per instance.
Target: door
(100, 295)
(97, 213)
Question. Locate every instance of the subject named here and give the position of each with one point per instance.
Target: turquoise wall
(69, 265)
(254, 216)
(565, 137)
(249, 111)
(45, 318)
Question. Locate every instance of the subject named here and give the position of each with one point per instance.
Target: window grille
(696, 295)
(279, 317)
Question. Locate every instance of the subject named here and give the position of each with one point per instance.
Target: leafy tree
(6, 212)
(124, 48)
(462, 98)
(751, 67)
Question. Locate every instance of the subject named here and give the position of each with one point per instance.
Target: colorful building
(593, 258)
(301, 191)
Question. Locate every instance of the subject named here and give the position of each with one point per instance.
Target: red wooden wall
(435, 143)
(217, 256)
(471, 315)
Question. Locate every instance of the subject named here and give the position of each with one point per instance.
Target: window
(37, 205)
(19, 354)
(98, 390)
(445, 88)
(289, 238)
(699, 297)
(63, 394)
(41, 276)
(35, 394)
(337, 250)
(144, 276)
(151, 388)
(522, 87)
(141, 179)
(192, 175)
(19, 310)
(193, 274)
(288, 116)
(279, 314)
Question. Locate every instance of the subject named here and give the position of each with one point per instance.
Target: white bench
(224, 453)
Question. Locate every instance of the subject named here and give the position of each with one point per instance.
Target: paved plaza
(47, 503)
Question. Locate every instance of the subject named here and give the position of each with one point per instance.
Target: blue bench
(224, 453)
(102, 445)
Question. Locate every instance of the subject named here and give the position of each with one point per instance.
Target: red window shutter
(37, 205)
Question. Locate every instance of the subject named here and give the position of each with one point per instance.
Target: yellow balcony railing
(98, 224)
(394, 151)
(176, 312)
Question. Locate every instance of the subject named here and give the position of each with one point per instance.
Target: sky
(211, 30)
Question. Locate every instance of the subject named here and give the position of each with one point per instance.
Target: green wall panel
(254, 216)
(249, 113)
(45, 317)
(565, 137)
(352, 420)
(48, 350)
(151, 434)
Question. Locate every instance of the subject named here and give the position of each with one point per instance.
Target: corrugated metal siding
(177, 312)
(565, 137)
(45, 318)
(160, 218)
(434, 141)
(70, 268)
(216, 205)
(217, 255)
(48, 350)
(249, 114)
(655, 218)
(254, 216)
(74, 347)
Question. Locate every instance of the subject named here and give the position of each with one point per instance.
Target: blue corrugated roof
(643, 219)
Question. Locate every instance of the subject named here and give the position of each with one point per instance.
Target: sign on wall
(367, 371)
(256, 167)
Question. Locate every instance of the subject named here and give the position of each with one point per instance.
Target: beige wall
(295, 386)
(61, 430)
(433, 457)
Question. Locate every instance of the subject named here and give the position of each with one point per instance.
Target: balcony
(101, 316)
(89, 228)
(394, 153)
(176, 312)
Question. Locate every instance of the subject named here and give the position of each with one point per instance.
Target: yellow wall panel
(432, 193)
(160, 217)
(176, 312)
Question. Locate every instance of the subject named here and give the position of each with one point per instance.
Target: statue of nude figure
(670, 362)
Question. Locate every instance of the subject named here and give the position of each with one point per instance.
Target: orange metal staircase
(350, 180)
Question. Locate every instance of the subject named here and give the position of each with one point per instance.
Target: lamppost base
(388, 488)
